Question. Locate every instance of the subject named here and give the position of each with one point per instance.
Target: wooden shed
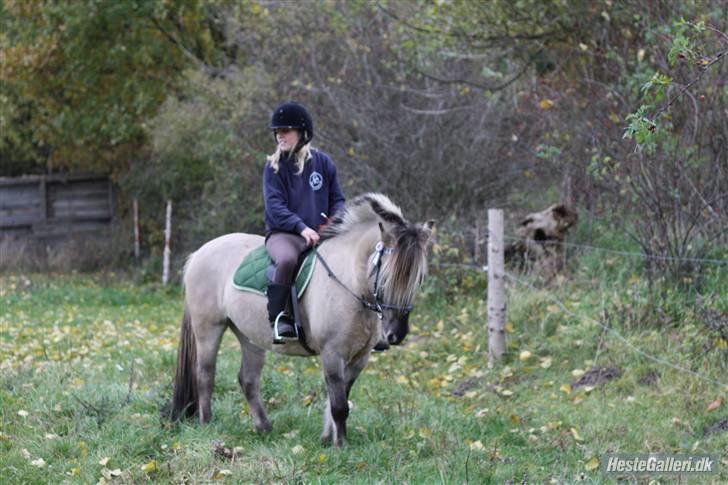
(55, 206)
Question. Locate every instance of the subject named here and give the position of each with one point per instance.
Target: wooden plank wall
(55, 206)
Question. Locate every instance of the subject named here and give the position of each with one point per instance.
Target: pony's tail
(184, 398)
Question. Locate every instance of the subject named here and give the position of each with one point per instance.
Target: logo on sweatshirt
(315, 181)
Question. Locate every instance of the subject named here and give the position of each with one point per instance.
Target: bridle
(377, 306)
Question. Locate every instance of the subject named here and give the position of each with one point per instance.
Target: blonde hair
(301, 156)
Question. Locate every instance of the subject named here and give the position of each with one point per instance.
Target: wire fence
(620, 252)
(616, 334)
(605, 327)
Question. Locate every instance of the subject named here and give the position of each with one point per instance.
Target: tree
(79, 79)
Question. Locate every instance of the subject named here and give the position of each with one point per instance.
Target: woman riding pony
(301, 192)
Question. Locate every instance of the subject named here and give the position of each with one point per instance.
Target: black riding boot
(283, 328)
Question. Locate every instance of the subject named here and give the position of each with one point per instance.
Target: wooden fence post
(136, 229)
(167, 237)
(496, 287)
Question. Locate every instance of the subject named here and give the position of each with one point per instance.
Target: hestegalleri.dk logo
(658, 464)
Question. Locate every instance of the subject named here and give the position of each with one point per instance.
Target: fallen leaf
(576, 435)
(309, 398)
(553, 425)
(221, 474)
(476, 445)
(592, 464)
(546, 104)
(715, 404)
(566, 388)
(150, 467)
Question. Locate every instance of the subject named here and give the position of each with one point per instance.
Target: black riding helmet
(293, 115)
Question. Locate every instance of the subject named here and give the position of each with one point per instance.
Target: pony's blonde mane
(364, 209)
(403, 270)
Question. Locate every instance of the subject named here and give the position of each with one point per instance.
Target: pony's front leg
(351, 373)
(337, 407)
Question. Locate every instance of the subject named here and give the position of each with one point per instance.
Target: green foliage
(80, 78)
(204, 157)
(642, 129)
(688, 45)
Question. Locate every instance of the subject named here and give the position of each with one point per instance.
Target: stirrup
(277, 337)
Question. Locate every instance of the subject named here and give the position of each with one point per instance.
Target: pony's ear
(428, 228)
(387, 237)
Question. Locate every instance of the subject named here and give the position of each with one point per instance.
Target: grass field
(87, 361)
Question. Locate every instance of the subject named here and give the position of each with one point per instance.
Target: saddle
(252, 274)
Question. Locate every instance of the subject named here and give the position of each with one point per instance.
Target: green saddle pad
(250, 275)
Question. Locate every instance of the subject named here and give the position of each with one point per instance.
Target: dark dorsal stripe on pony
(405, 268)
(362, 209)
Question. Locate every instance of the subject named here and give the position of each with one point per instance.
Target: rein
(377, 306)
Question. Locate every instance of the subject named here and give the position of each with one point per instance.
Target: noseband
(377, 306)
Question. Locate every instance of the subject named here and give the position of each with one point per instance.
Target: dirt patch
(649, 378)
(222, 451)
(465, 386)
(719, 427)
(596, 376)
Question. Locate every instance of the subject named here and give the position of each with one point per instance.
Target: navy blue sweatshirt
(293, 202)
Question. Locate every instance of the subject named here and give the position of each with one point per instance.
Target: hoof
(263, 428)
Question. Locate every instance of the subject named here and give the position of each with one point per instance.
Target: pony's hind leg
(208, 339)
(251, 366)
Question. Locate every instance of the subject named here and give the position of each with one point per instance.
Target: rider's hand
(311, 236)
